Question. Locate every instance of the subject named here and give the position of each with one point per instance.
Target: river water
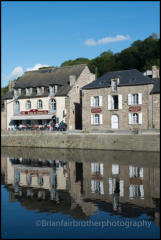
(51, 193)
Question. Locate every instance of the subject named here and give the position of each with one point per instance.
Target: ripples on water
(49, 193)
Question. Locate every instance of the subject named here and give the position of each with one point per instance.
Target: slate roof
(127, 78)
(45, 77)
(156, 88)
(8, 95)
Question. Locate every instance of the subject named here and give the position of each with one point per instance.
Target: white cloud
(36, 67)
(17, 72)
(106, 40)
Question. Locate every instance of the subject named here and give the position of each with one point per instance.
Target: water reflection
(81, 183)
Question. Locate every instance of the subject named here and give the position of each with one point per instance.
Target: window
(97, 169)
(115, 169)
(39, 91)
(28, 91)
(40, 180)
(114, 85)
(114, 102)
(96, 101)
(17, 107)
(28, 104)
(135, 118)
(52, 91)
(135, 172)
(96, 119)
(97, 187)
(39, 104)
(135, 99)
(16, 93)
(136, 191)
(52, 105)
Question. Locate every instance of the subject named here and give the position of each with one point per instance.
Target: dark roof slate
(8, 95)
(127, 78)
(156, 88)
(46, 77)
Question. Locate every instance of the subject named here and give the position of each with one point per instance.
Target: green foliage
(4, 90)
(141, 55)
(75, 62)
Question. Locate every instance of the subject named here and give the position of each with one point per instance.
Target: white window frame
(28, 107)
(16, 93)
(132, 119)
(39, 106)
(94, 102)
(135, 118)
(96, 120)
(114, 83)
(52, 91)
(39, 90)
(28, 91)
(52, 104)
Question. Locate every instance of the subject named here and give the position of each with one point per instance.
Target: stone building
(47, 94)
(121, 100)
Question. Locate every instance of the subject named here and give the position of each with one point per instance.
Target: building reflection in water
(81, 188)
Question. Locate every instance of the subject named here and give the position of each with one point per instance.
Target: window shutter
(92, 168)
(101, 120)
(121, 188)
(140, 118)
(140, 98)
(131, 171)
(92, 120)
(120, 101)
(110, 186)
(101, 169)
(109, 102)
(101, 188)
(130, 118)
(141, 172)
(92, 101)
(112, 102)
(131, 191)
(142, 191)
(100, 101)
(129, 99)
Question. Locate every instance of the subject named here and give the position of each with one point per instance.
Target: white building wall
(60, 106)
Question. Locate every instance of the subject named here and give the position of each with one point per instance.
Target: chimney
(11, 85)
(155, 72)
(72, 79)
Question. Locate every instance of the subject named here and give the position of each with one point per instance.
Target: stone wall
(85, 78)
(156, 111)
(137, 142)
(146, 107)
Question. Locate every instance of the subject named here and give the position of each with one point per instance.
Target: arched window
(28, 104)
(52, 105)
(97, 118)
(135, 118)
(39, 104)
(17, 107)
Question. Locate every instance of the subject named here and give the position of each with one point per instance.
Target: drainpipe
(152, 110)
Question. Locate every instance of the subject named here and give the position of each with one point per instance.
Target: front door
(114, 122)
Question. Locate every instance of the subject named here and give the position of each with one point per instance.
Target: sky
(47, 33)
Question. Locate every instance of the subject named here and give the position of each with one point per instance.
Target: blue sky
(49, 33)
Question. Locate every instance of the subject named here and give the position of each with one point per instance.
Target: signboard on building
(96, 110)
(134, 109)
(34, 111)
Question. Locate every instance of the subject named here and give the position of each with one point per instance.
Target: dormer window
(28, 91)
(16, 94)
(114, 85)
(52, 91)
(39, 91)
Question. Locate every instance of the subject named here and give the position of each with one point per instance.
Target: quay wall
(97, 141)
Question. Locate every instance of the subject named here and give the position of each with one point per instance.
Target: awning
(32, 117)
